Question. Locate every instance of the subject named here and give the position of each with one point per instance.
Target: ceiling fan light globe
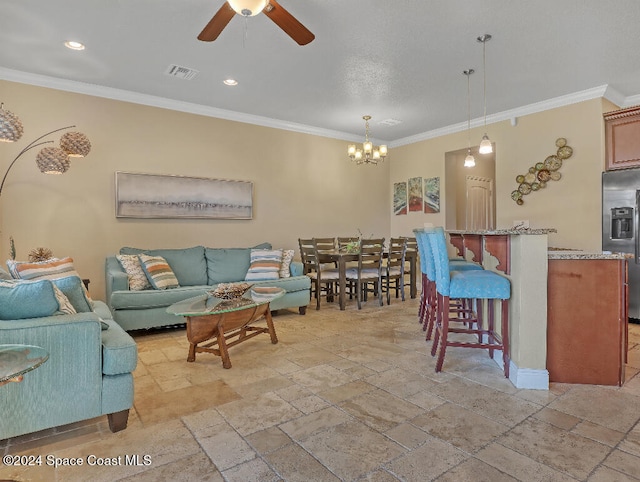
(248, 8)
(485, 145)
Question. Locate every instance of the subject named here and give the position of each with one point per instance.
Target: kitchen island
(521, 256)
(568, 309)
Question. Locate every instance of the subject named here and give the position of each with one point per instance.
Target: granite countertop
(502, 232)
(568, 254)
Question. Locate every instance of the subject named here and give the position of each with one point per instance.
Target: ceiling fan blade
(287, 22)
(217, 24)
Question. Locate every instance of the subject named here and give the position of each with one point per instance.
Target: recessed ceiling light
(230, 82)
(71, 44)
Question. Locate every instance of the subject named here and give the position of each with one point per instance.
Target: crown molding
(614, 96)
(153, 101)
(163, 103)
(542, 106)
(631, 101)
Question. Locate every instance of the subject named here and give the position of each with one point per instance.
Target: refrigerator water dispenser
(622, 223)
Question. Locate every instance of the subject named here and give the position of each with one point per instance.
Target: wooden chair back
(370, 255)
(325, 244)
(396, 255)
(412, 243)
(344, 240)
(307, 255)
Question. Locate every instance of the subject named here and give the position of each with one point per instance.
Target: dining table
(342, 257)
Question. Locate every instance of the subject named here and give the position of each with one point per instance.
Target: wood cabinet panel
(587, 321)
(622, 137)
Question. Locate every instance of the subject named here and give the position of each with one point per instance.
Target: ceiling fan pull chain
(244, 35)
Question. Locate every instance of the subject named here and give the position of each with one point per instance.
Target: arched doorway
(470, 203)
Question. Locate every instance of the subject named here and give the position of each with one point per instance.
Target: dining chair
(307, 265)
(369, 269)
(343, 242)
(476, 285)
(394, 267)
(323, 280)
(326, 244)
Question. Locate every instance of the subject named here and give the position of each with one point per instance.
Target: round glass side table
(16, 360)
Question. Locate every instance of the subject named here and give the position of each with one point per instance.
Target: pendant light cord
(469, 108)
(468, 74)
(484, 77)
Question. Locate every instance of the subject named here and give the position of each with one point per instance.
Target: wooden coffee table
(226, 322)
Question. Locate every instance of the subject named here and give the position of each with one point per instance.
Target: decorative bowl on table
(229, 291)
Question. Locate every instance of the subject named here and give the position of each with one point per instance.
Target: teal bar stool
(474, 285)
(428, 298)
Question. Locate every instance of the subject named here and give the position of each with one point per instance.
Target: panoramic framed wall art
(166, 196)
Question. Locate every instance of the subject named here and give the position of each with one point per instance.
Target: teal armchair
(88, 373)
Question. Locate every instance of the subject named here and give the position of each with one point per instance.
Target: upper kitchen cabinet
(622, 135)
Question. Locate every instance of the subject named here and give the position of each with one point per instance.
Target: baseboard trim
(527, 378)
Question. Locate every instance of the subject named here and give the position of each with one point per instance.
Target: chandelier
(369, 154)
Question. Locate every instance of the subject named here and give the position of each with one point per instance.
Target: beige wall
(304, 185)
(571, 205)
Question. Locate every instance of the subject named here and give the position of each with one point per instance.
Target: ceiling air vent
(184, 73)
(390, 122)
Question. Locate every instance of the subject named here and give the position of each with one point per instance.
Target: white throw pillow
(137, 279)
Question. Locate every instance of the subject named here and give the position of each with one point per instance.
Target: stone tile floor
(347, 396)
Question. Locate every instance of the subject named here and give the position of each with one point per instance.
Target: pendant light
(469, 161)
(485, 145)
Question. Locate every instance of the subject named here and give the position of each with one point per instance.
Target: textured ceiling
(391, 59)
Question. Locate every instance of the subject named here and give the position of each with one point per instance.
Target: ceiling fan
(249, 8)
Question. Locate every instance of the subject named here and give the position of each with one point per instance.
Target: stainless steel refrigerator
(621, 223)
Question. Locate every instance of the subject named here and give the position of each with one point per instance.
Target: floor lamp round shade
(10, 126)
(52, 160)
(75, 144)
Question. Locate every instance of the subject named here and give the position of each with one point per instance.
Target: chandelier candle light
(369, 154)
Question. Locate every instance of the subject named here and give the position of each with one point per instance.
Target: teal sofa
(88, 373)
(198, 269)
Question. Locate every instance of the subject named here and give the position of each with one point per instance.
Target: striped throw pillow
(66, 308)
(265, 264)
(158, 272)
(51, 269)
